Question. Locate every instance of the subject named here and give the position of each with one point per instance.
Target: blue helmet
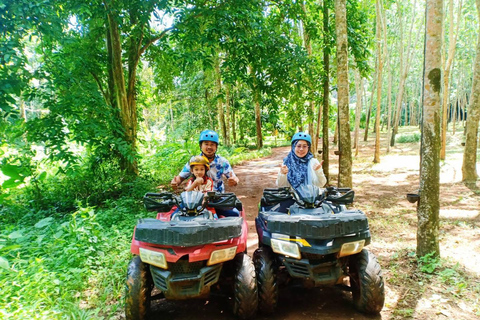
(208, 135)
(302, 136)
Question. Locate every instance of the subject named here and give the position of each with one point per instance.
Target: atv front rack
(273, 196)
(160, 202)
(340, 195)
(164, 202)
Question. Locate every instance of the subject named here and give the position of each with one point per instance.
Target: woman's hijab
(297, 167)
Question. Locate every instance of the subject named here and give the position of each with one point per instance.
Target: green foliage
(429, 263)
(69, 266)
(408, 138)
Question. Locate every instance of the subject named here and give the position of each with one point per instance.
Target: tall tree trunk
(452, 42)
(128, 115)
(311, 123)
(379, 9)
(404, 67)
(227, 115)
(428, 207)
(258, 118)
(469, 170)
(370, 106)
(358, 108)
(326, 93)
(218, 87)
(345, 146)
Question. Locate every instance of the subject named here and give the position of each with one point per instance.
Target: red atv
(186, 250)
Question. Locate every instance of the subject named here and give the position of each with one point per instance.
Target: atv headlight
(154, 258)
(286, 248)
(222, 255)
(350, 248)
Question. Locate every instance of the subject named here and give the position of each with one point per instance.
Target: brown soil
(452, 291)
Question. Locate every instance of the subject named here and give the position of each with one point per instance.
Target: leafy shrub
(66, 267)
(408, 138)
(429, 263)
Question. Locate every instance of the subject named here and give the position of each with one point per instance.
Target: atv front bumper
(321, 273)
(185, 284)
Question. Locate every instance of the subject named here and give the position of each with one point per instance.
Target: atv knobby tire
(266, 271)
(188, 233)
(325, 226)
(366, 281)
(245, 288)
(138, 291)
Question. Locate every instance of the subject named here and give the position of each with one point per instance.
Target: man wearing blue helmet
(219, 166)
(300, 166)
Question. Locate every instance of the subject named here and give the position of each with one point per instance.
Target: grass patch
(408, 138)
(66, 267)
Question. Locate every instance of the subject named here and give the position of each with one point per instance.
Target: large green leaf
(44, 222)
(4, 263)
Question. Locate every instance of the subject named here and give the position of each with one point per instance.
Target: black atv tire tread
(245, 288)
(317, 227)
(266, 280)
(191, 233)
(138, 290)
(368, 290)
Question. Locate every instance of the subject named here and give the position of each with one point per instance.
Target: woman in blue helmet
(300, 166)
(219, 166)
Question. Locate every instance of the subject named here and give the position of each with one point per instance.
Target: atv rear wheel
(266, 280)
(245, 288)
(366, 281)
(138, 290)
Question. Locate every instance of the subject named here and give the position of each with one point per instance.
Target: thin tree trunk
(469, 170)
(358, 108)
(452, 41)
(311, 124)
(454, 115)
(404, 67)
(370, 106)
(326, 94)
(428, 206)
(218, 87)
(345, 147)
(379, 9)
(227, 115)
(258, 119)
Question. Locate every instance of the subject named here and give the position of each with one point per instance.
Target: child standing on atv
(300, 166)
(199, 181)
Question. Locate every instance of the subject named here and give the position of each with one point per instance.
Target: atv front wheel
(138, 290)
(245, 288)
(366, 281)
(266, 279)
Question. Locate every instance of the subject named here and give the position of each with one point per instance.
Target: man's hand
(318, 166)
(232, 181)
(175, 182)
(283, 169)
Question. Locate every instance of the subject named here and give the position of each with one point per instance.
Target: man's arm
(184, 174)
